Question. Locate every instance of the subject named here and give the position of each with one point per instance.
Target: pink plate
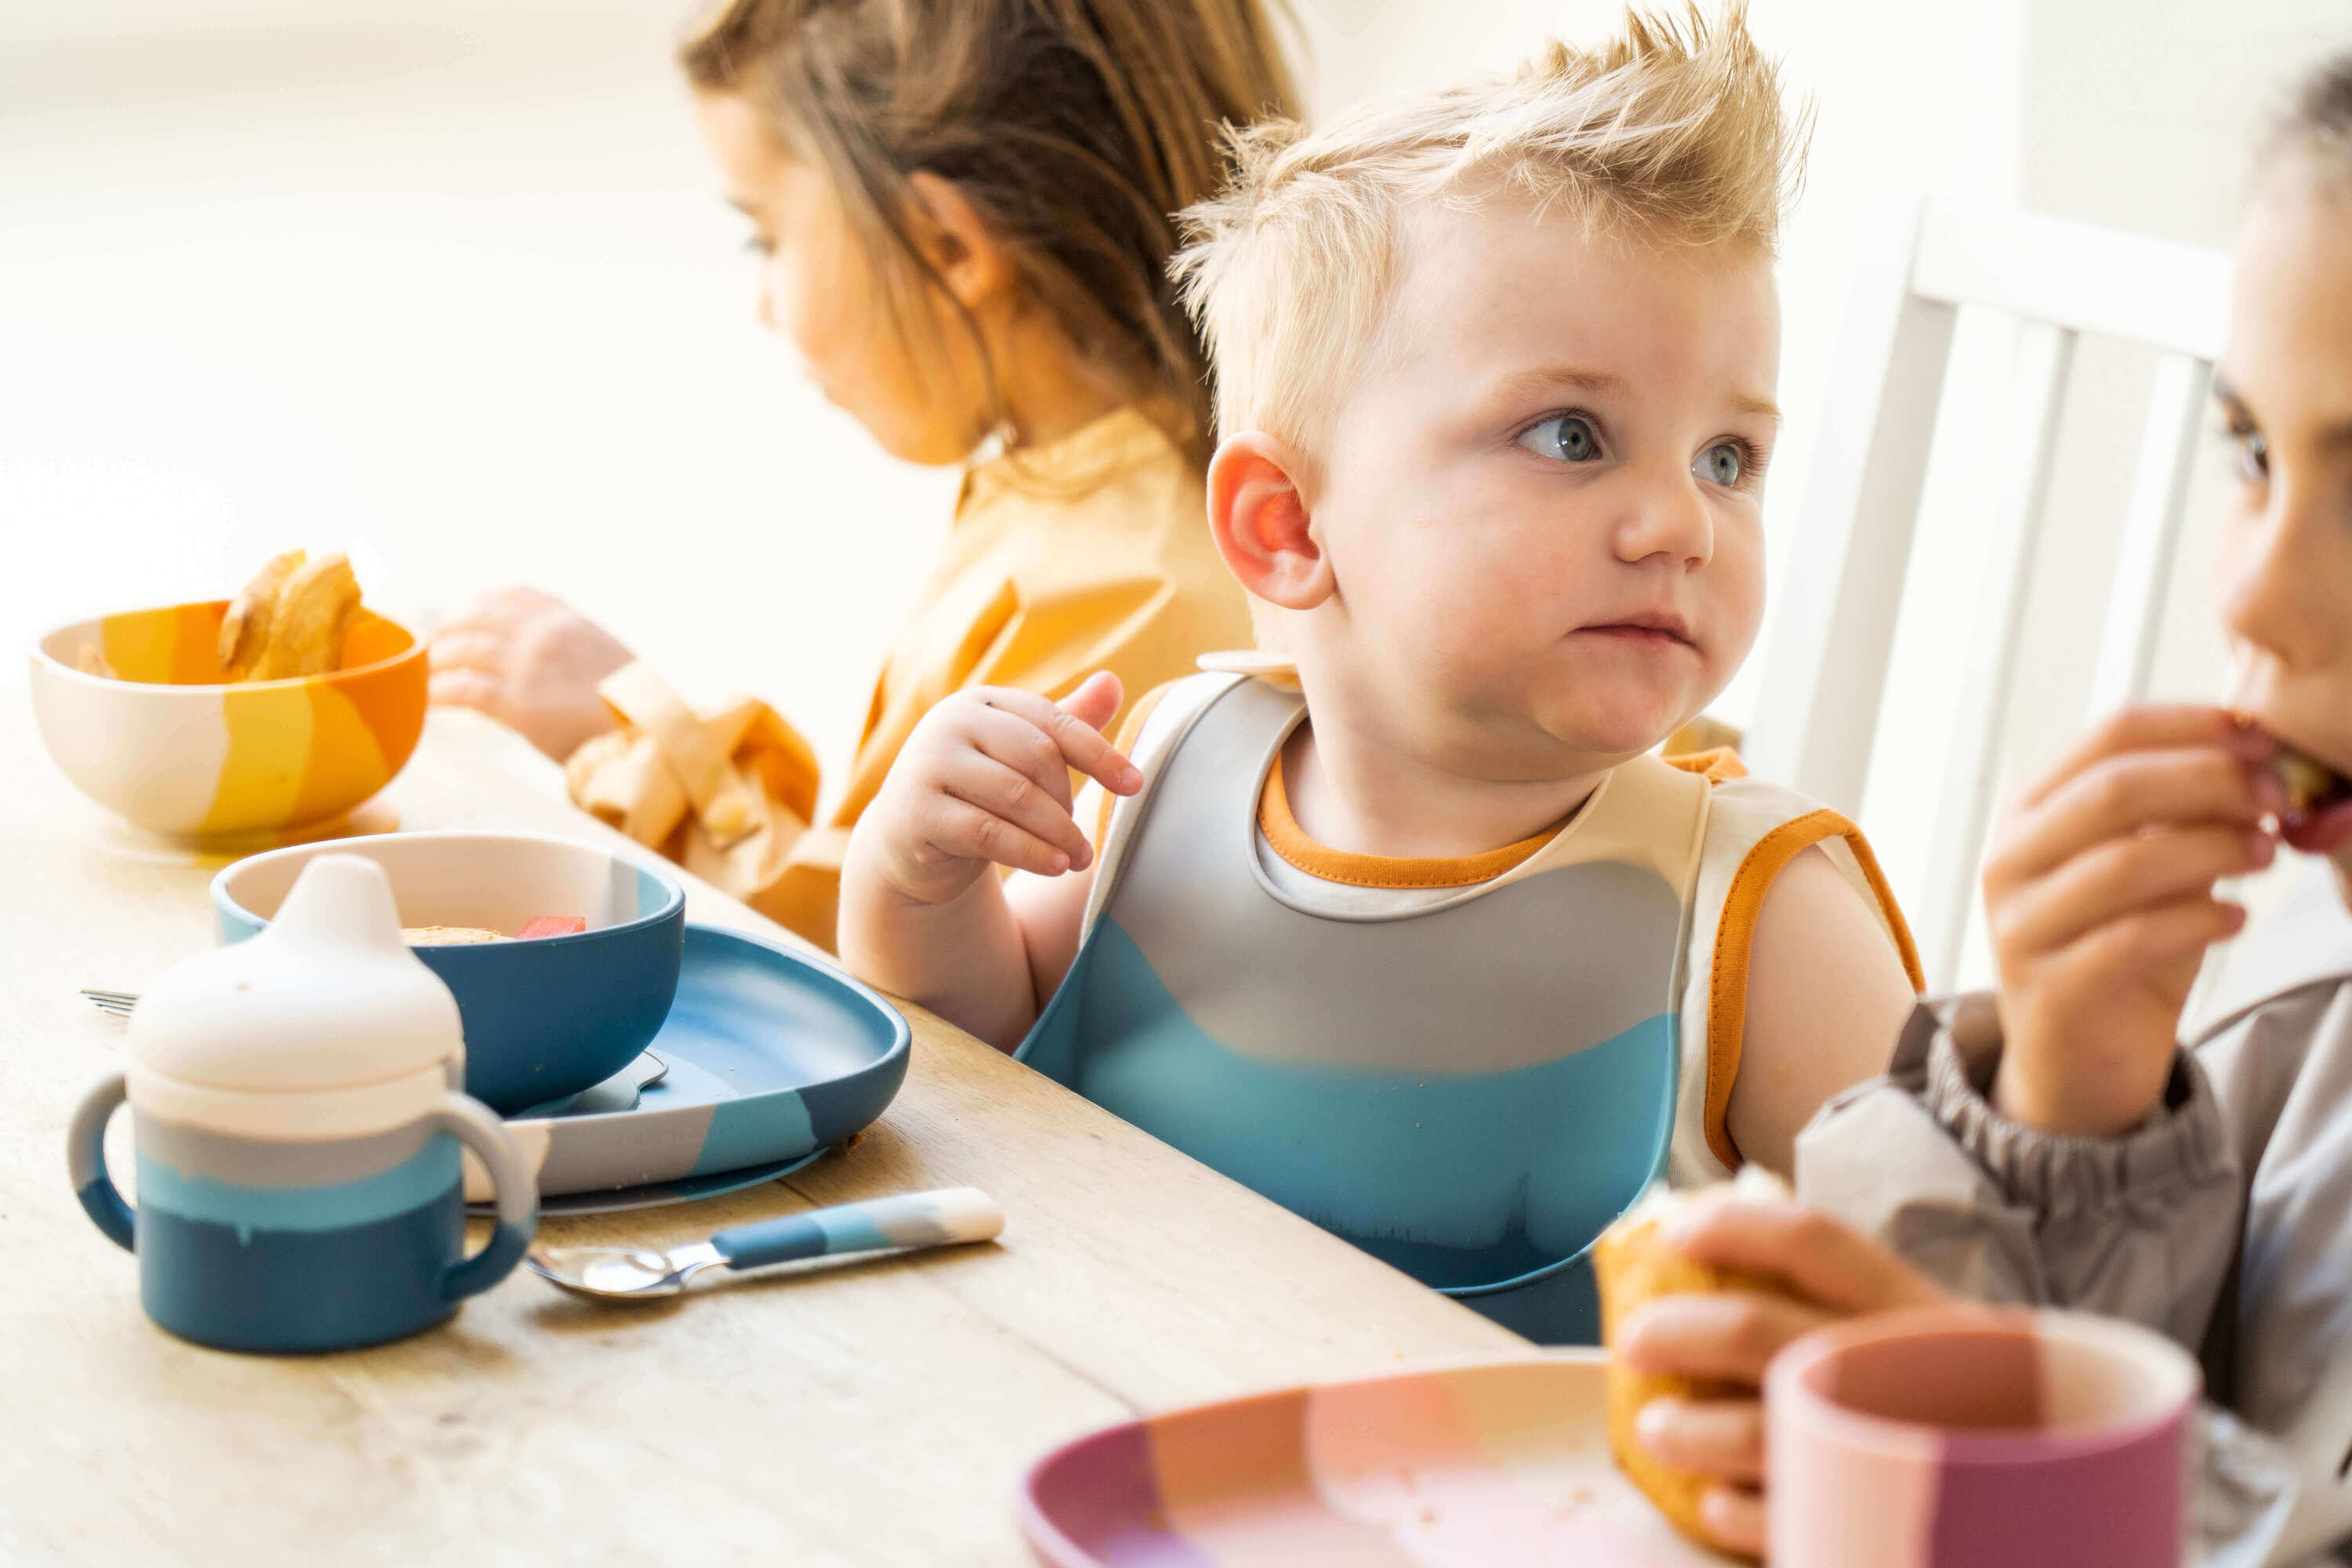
(1481, 1466)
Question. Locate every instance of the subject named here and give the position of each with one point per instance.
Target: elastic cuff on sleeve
(2183, 1144)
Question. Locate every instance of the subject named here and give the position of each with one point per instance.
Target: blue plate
(768, 1057)
(661, 1194)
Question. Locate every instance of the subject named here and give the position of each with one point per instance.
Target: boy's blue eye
(1721, 464)
(1569, 438)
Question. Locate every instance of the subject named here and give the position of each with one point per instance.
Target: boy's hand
(533, 663)
(2099, 896)
(985, 777)
(1729, 1337)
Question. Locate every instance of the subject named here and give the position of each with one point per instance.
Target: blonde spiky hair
(1672, 134)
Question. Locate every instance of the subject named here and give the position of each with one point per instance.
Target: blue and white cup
(321, 1245)
(300, 1123)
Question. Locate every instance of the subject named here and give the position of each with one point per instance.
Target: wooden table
(867, 1414)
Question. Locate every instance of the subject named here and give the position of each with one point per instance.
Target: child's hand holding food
(985, 778)
(1697, 1297)
(2099, 896)
(531, 662)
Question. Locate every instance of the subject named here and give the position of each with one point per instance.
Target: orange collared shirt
(1090, 552)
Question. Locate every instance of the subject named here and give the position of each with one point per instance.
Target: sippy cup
(298, 1119)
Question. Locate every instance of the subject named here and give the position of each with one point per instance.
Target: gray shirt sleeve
(2143, 1227)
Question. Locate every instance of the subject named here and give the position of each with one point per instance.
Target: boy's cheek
(1733, 606)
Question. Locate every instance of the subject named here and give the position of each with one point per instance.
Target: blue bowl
(543, 1019)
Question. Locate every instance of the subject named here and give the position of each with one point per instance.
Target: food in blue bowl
(545, 1016)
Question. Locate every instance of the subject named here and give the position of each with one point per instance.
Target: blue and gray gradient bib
(1469, 1087)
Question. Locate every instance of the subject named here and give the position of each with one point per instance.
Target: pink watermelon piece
(552, 925)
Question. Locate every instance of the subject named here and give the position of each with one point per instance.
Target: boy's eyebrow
(1528, 383)
(1523, 382)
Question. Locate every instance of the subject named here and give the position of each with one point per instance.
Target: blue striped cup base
(242, 1289)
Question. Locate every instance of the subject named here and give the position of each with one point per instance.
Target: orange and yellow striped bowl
(174, 750)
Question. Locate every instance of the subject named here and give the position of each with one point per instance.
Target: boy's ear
(1259, 516)
(957, 241)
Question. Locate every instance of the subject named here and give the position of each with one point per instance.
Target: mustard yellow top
(1090, 552)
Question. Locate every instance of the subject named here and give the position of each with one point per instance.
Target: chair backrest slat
(1825, 668)
(2046, 358)
(2102, 283)
(2151, 537)
(1824, 672)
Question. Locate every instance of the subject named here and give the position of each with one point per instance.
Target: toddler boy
(1400, 921)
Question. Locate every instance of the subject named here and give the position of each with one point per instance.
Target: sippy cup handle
(469, 1121)
(86, 1159)
(475, 1125)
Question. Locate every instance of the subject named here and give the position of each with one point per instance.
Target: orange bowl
(170, 746)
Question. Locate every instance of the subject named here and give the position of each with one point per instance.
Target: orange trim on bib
(1726, 1028)
(1345, 867)
(1720, 765)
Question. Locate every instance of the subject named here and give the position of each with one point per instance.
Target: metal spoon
(908, 1220)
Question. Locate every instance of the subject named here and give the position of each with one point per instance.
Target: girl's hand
(530, 662)
(2099, 896)
(985, 777)
(1730, 1336)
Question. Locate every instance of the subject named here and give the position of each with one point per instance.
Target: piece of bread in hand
(1632, 1266)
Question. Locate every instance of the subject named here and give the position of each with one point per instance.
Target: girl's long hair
(1077, 128)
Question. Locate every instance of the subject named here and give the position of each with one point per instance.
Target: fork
(113, 1004)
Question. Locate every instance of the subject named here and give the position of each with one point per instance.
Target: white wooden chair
(1824, 670)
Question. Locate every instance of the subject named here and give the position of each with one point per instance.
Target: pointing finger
(1082, 745)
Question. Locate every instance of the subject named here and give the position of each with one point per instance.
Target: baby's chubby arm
(983, 780)
(1826, 999)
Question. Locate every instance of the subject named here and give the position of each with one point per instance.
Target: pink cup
(1968, 1437)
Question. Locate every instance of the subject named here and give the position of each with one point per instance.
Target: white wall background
(449, 283)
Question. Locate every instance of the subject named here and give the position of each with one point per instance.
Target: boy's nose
(2283, 569)
(1667, 517)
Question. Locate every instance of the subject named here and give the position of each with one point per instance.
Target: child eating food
(963, 209)
(1407, 928)
(2059, 1144)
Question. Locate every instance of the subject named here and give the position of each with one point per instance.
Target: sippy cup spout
(329, 998)
(341, 898)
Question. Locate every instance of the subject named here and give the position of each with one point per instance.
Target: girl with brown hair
(964, 212)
